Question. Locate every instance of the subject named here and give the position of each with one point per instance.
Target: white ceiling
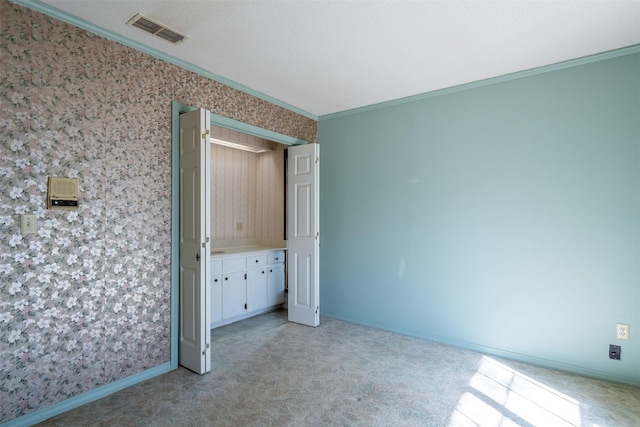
(329, 56)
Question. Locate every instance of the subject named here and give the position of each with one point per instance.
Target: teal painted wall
(503, 218)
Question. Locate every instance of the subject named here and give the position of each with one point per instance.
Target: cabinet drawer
(216, 266)
(253, 261)
(232, 264)
(276, 257)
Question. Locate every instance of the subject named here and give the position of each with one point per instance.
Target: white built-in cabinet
(245, 284)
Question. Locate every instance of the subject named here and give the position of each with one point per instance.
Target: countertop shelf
(244, 249)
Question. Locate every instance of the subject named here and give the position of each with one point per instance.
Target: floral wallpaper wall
(86, 300)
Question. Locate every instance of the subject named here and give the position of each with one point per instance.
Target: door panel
(189, 298)
(303, 280)
(256, 289)
(234, 294)
(303, 234)
(195, 317)
(275, 285)
(216, 298)
(302, 200)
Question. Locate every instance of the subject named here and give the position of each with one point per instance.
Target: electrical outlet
(622, 331)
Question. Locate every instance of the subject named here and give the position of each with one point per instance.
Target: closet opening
(238, 221)
(248, 225)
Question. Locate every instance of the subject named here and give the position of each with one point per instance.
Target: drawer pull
(256, 261)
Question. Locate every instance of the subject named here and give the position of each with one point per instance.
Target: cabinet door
(275, 285)
(216, 298)
(256, 289)
(234, 294)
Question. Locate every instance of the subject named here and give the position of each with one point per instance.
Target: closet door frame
(216, 120)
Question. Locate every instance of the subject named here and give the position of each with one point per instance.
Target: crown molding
(629, 50)
(86, 25)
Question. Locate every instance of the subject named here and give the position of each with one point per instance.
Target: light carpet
(269, 372)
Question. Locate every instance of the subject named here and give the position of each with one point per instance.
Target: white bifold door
(194, 348)
(303, 234)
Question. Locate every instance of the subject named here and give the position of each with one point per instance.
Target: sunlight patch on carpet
(501, 396)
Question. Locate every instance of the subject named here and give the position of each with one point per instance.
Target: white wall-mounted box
(62, 193)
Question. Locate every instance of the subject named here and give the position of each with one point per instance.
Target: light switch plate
(28, 224)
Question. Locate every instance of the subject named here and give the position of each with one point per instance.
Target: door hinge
(245, 278)
(317, 309)
(317, 235)
(245, 306)
(317, 160)
(204, 244)
(204, 352)
(206, 132)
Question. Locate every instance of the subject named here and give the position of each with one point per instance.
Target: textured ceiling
(329, 56)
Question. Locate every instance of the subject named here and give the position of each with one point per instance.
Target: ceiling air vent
(156, 28)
